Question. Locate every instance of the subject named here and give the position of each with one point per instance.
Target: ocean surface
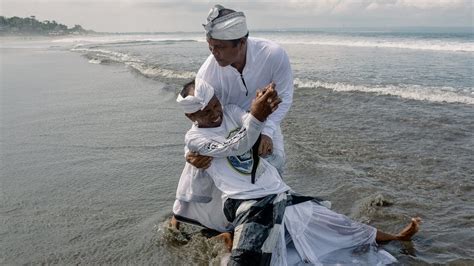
(382, 124)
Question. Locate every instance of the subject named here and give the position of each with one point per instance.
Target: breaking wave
(102, 56)
(130, 39)
(407, 91)
(415, 45)
(311, 38)
(415, 92)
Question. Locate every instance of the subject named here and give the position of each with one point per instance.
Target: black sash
(256, 158)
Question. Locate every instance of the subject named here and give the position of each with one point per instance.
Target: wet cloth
(318, 234)
(324, 237)
(258, 224)
(199, 198)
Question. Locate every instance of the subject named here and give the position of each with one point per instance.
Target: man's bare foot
(411, 229)
(227, 237)
(174, 224)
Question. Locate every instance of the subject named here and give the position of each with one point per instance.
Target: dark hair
(236, 41)
(187, 88)
(224, 12)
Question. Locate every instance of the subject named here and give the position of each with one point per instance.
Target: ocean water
(382, 124)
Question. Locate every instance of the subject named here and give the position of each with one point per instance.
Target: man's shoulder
(264, 43)
(208, 67)
(192, 132)
(268, 47)
(195, 137)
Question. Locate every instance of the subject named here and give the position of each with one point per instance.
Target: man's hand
(265, 103)
(266, 146)
(198, 161)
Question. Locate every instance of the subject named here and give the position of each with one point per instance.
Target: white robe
(230, 145)
(319, 235)
(197, 195)
(266, 62)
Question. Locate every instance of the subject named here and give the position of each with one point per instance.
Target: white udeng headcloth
(229, 27)
(203, 93)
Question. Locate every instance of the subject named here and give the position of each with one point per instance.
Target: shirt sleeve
(283, 77)
(219, 146)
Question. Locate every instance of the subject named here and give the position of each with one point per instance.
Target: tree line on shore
(31, 26)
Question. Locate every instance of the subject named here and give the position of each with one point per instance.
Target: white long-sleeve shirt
(230, 144)
(266, 62)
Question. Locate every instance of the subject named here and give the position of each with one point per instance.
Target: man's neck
(240, 64)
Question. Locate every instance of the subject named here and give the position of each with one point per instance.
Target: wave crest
(414, 92)
(102, 56)
(414, 45)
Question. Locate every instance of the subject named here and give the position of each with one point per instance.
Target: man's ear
(242, 41)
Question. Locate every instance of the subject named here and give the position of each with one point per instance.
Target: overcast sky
(182, 15)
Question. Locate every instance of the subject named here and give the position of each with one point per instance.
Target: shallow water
(91, 152)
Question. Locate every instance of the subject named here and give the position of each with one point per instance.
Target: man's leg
(257, 228)
(404, 235)
(227, 238)
(174, 223)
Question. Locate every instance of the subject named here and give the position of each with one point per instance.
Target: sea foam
(97, 56)
(398, 44)
(415, 92)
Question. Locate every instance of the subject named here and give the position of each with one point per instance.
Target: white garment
(230, 144)
(209, 214)
(229, 27)
(323, 237)
(197, 197)
(319, 235)
(202, 95)
(266, 62)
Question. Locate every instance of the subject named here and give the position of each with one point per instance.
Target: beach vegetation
(32, 26)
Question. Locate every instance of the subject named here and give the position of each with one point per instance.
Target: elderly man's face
(225, 52)
(211, 116)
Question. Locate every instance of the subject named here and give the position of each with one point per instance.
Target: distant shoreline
(321, 29)
(31, 26)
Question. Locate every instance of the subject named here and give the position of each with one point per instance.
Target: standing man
(240, 65)
(237, 67)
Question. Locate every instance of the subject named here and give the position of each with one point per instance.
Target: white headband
(203, 93)
(229, 27)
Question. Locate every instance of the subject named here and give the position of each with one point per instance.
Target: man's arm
(266, 102)
(282, 76)
(197, 160)
(219, 146)
(283, 79)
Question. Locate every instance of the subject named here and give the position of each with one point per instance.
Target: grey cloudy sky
(182, 15)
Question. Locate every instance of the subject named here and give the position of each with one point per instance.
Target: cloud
(344, 6)
(187, 15)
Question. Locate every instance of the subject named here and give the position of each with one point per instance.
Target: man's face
(211, 116)
(224, 52)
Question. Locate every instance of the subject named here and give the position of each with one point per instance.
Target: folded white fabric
(229, 27)
(203, 93)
